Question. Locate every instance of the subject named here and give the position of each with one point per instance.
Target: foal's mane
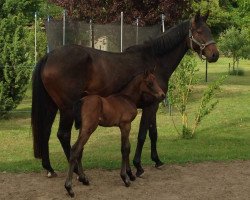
(165, 42)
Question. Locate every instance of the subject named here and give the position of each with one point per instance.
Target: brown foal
(115, 110)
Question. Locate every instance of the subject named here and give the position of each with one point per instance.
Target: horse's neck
(169, 62)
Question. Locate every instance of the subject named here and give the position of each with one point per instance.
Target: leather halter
(201, 45)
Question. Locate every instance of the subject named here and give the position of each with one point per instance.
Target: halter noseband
(201, 45)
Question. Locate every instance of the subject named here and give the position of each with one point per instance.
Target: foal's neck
(132, 90)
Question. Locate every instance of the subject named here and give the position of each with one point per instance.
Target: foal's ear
(205, 17)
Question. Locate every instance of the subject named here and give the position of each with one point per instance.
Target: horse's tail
(77, 113)
(39, 112)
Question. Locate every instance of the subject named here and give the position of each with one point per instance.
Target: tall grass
(223, 135)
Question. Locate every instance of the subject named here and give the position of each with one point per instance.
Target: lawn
(222, 136)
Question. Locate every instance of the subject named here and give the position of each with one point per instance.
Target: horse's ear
(205, 17)
(197, 16)
(154, 69)
(146, 72)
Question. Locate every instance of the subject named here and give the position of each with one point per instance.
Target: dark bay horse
(62, 76)
(115, 110)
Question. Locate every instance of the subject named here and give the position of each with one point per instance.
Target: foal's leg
(75, 154)
(125, 150)
(81, 175)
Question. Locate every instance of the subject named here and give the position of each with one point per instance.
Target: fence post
(48, 20)
(137, 30)
(163, 30)
(121, 31)
(35, 37)
(64, 20)
(91, 35)
(163, 22)
(206, 70)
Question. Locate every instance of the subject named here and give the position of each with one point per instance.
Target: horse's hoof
(127, 183)
(159, 165)
(139, 173)
(51, 174)
(70, 191)
(131, 176)
(83, 180)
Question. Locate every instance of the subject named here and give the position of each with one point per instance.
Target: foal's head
(149, 85)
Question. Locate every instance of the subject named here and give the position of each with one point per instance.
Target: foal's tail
(39, 112)
(77, 113)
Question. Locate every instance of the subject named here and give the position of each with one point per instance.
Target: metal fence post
(137, 30)
(121, 31)
(48, 20)
(163, 30)
(163, 22)
(35, 37)
(206, 70)
(64, 20)
(91, 34)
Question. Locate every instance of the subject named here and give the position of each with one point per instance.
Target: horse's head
(150, 86)
(200, 38)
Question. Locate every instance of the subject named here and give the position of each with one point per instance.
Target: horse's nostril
(163, 96)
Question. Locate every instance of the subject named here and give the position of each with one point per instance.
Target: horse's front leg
(153, 137)
(125, 150)
(148, 122)
(140, 142)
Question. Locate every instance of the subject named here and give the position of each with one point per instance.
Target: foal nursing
(115, 110)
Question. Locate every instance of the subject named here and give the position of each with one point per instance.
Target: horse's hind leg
(64, 130)
(45, 150)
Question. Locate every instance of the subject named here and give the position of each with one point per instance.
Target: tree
(15, 59)
(106, 11)
(224, 13)
(235, 43)
(181, 86)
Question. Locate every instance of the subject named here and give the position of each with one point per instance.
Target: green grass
(222, 136)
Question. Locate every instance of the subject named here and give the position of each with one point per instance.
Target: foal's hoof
(70, 191)
(159, 165)
(83, 180)
(125, 180)
(51, 174)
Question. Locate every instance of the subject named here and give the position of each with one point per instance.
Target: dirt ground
(173, 182)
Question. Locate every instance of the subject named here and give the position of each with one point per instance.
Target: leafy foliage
(180, 89)
(106, 11)
(224, 13)
(235, 43)
(15, 60)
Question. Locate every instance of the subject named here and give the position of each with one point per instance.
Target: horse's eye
(199, 32)
(150, 84)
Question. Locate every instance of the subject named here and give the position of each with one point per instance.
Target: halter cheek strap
(201, 45)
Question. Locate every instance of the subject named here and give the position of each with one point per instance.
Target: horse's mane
(166, 42)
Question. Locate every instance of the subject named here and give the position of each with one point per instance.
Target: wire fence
(114, 37)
